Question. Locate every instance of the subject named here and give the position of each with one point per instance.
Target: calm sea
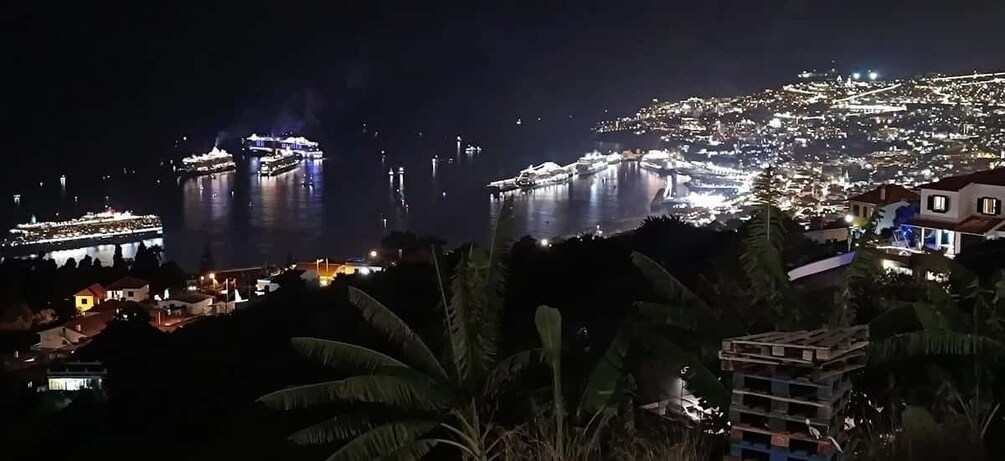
(341, 207)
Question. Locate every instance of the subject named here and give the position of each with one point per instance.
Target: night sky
(117, 81)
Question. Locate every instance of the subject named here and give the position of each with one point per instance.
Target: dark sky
(109, 80)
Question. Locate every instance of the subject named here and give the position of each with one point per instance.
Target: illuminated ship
(299, 145)
(93, 228)
(281, 161)
(215, 161)
(545, 174)
(656, 160)
(591, 163)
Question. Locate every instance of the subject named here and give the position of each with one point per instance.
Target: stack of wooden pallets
(790, 390)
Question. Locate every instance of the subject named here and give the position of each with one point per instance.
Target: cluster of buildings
(833, 137)
(212, 294)
(948, 215)
(97, 305)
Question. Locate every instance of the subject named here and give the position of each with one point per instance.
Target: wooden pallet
(802, 443)
(792, 369)
(798, 347)
(802, 387)
(766, 417)
(750, 451)
(813, 409)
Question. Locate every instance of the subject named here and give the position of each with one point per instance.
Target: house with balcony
(960, 210)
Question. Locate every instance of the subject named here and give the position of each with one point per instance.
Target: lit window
(938, 203)
(989, 205)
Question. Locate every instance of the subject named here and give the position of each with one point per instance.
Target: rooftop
(976, 225)
(95, 290)
(190, 298)
(886, 194)
(128, 282)
(995, 177)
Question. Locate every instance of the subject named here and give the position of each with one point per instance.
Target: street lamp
(373, 254)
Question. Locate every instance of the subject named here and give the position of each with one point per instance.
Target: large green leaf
(412, 451)
(510, 368)
(937, 342)
(487, 315)
(606, 374)
(548, 321)
(402, 392)
(383, 440)
(466, 294)
(666, 285)
(336, 429)
(343, 355)
(397, 332)
(302, 396)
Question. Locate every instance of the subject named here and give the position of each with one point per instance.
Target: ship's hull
(591, 168)
(550, 181)
(29, 249)
(279, 169)
(187, 173)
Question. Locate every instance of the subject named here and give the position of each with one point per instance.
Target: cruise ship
(545, 174)
(299, 145)
(280, 161)
(93, 228)
(591, 163)
(656, 160)
(217, 160)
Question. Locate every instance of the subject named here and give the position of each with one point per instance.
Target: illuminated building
(961, 210)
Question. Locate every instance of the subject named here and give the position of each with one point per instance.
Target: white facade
(130, 294)
(191, 306)
(948, 217)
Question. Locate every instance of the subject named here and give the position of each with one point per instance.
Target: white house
(192, 303)
(128, 288)
(961, 210)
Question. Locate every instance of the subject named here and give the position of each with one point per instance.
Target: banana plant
(427, 399)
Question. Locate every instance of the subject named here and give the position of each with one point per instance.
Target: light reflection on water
(616, 198)
(105, 253)
(249, 220)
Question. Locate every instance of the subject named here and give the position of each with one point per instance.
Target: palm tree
(430, 399)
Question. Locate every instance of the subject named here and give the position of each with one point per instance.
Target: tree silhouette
(118, 262)
(206, 262)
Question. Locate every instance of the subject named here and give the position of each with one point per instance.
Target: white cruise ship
(591, 163)
(280, 161)
(545, 174)
(106, 227)
(299, 145)
(217, 160)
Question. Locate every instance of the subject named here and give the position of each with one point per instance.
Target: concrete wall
(955, 212)
(973, 192)
(132, 294)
